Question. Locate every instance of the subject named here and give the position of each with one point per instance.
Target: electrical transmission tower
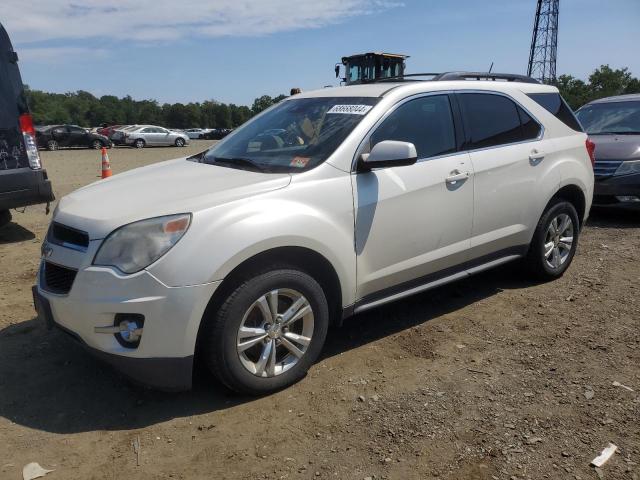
(544, 42)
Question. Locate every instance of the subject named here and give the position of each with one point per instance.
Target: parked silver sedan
(149, 135)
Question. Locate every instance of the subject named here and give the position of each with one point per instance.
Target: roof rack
(448, 76)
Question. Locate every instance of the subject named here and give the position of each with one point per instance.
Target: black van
(23, 181)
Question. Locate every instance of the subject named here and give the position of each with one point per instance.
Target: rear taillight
(29, 137)
(591, 150)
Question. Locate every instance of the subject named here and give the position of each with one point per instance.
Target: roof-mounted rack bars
(448, 76)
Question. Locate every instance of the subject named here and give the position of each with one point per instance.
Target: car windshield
(295, 135)
(611, 117)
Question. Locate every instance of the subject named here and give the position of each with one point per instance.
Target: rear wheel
(139, 143)
(96, 145)
(268, 332)
(554, 241)
(179, 142)
(5, 217)
(52, 145)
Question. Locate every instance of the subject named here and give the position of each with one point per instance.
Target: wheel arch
(574, 195)
(305, 259)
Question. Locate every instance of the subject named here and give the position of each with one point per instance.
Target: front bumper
(23, 186)
(606, 190)
(163, 373)
(172, 315)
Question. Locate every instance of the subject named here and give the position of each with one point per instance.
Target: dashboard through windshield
(295, 135)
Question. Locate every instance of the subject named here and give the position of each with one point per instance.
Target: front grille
(58, 279)
(606, 168)
(68, 237)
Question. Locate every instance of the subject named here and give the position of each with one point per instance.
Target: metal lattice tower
(544, 42)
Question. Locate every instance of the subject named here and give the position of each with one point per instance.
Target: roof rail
(448, 76)
(509, 77)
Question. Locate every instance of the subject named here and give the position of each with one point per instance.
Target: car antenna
(491, 67)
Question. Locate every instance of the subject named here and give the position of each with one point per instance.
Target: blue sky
(236, 50)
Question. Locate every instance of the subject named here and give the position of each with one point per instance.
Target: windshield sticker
(299, 162)
(350, 109)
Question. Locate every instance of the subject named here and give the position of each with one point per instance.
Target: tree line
(83, 108)
(603, 82)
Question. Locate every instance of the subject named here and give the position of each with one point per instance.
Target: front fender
(301, 215)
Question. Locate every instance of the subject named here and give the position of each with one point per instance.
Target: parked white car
(195, 133)
(327, 204)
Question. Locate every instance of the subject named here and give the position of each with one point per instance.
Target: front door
(413, 223)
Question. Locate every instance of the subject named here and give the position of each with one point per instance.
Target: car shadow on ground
(15, 233)
(603, 217)
(49, 382)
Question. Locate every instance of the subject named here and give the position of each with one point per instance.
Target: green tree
(574, 91)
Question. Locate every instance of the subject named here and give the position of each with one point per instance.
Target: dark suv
(23, 181)
(613, 124)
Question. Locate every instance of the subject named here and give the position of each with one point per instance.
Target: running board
(435, 283)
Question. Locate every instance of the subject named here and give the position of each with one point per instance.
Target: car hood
(616, 147)
(175, 186)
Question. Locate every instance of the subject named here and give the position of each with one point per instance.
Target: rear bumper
(22, 187)
(162, 373)
(607, 190)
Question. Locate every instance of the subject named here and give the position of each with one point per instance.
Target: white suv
(327, 204)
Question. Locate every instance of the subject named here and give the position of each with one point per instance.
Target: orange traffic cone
(106, 166)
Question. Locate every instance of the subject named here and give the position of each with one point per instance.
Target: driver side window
(427, 122)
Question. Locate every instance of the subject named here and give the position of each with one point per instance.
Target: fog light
(127, 328)
(627, 198)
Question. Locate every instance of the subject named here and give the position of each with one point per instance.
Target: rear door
(77, 136)
(507, 152)
(12, 104)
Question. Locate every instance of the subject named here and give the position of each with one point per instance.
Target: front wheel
(268, 332)
(139, 143)
(52, 145)
(96, 145)
(179, 142)
(554, 241)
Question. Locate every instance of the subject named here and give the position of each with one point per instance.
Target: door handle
(456, 176)
(536, 156)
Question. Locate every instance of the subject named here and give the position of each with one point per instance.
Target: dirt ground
(492, 378)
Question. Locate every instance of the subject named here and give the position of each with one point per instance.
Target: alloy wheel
(558, 241)
(275, 332)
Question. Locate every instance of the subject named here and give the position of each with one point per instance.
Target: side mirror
(389, 153)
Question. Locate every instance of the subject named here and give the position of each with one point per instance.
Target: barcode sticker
(350, 109)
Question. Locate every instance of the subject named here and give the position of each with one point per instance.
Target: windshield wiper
(235, 161)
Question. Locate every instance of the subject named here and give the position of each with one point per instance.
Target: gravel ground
(491, 378)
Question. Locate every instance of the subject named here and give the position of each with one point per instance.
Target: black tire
(97, 145)
(179, 142)
(139, 143)
(536, 260)
(5, 217)
(52, 145)
(219, 336)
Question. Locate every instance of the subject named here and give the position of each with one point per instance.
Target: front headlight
(134, 247)
(628, 168)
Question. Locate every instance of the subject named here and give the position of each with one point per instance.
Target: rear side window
(493, 120)
(426, 122)
(553, 103)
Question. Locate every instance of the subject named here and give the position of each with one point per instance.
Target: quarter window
(426, 122)
(530, 128)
